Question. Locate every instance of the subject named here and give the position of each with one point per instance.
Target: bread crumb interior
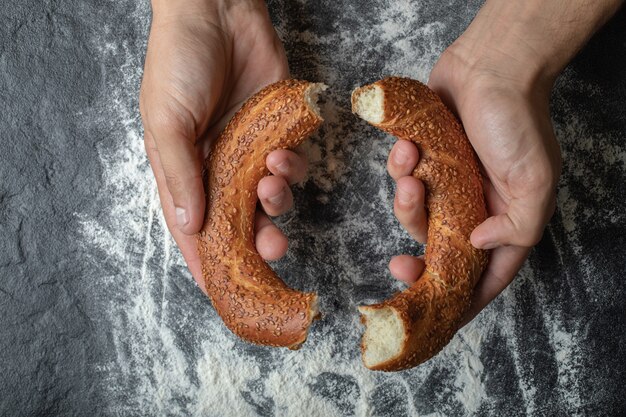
(369, 103)
(384, 335)
(311, 96)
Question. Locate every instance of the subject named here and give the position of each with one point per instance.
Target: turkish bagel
(259, 307)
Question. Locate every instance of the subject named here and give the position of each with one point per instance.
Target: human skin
(194, 81)
(497, 77)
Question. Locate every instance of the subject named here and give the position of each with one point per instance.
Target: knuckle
(400, 211)
(173, 180)
(171, 124)
(542, 179)
(265, 184)
(149, 144)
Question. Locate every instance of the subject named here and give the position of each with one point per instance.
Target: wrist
(218, 12)
(168, 8)
(501, 43)
(528, 43)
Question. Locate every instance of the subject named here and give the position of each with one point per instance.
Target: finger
(275, 195)
(175, 139)
(521, 225)
(409, 207)
(187, 244)
(271, 243)
(287, 164)
(504, 263)
(402, 159)
(406, 268)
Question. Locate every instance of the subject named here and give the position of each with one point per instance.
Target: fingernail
(404, 197)
(399, 157)
(278, 198)
(283, 167)
(490, 245)
(182, 218)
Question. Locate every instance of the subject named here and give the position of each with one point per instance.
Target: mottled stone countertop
(99, 315)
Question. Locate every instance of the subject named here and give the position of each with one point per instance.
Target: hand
(508, 123)
(497, 78)
(200, 66)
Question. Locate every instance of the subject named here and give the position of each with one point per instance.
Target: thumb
(181, 162)
(521, 225)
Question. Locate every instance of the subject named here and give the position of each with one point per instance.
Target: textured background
(99, 316)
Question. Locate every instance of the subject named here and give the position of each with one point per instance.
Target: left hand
(204, 60)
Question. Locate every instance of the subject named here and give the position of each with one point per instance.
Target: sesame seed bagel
(415, 324)
(251, 299)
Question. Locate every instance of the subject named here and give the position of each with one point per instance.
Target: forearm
(175, 7)
(533, 38)
(165, 8)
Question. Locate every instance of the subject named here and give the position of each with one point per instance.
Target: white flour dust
(151, 372)
(172, 353)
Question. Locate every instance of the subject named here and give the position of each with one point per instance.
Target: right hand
(497, 77)
(513, 137)
(200, 67)
(501, 92)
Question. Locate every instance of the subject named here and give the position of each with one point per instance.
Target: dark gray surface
(99, 316)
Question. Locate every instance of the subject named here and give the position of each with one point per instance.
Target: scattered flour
(162, 367)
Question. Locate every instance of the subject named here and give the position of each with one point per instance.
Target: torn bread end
(384, 335)
(369, 103)
(312, 95)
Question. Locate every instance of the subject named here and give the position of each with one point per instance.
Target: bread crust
(432, 308)
(252, 300)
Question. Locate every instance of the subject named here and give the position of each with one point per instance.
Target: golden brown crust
(251, 299)
(432, 308)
